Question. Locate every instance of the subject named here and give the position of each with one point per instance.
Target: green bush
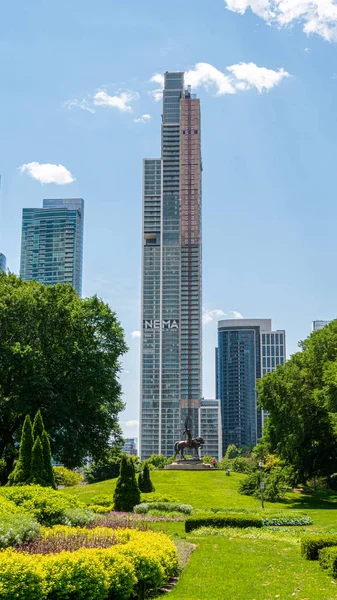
(99, 509)
(47, 460)
(312, 543)
(38, 473)
(239, 464)
(47, 506)
(17, 529)
(144, 508)
(120, 572)
(102, 500)
(79, 575)
(7, 507)
(21, 578)
(126, 494)
(328, 560)
(155, 497)
(159, 461)
(67, 477)
(21, 472)
(222, 520)
(144, 482)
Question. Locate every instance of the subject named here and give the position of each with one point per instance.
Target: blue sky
(74, 78)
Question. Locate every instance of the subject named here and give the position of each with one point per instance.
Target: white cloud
(83, 104)
(143, 119)
(48, 173)
(249, 75)
(135, 335)
(158, 92)
(131, 423)
(240, 77)
(208, 316)
(122, 100)
(315, 16)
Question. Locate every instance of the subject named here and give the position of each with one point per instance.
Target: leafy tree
(21, 473)
(301, 399)
(127, 493)
(232, 451)
(38, 473)
(157, 460)
(38, 426)
(50, 479)
(145, 484)
(59, 353)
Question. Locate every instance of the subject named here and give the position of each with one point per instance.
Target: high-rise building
(317, 325)
(247, 350)
(52, 242)
(130, 446)
(2, 262)
(171, 275)
(210, 428)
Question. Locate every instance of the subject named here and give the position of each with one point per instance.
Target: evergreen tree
(21, 472)
(127, 493)
(47, 460)
(38, 473)
(38, 426)
(140, 481)
(145, 485)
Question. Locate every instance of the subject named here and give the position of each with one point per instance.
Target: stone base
(189, 464)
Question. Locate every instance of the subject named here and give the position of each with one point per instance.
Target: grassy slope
(223, 568)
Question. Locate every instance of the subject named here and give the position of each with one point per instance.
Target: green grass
(234, 565)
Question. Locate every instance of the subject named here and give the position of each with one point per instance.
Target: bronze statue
(189, 442)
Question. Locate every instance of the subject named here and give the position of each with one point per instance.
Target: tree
(59, 353)
(232, 451)
(38, 473)
(145, 484)
(21, 472)
(50, 479)
(301, 400)
(127, 493)
(38, 426)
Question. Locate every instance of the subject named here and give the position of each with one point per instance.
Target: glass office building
(210, 428)
(247, 350)
(2, 262)
(317, 325)
(52, 242)
(171, 275)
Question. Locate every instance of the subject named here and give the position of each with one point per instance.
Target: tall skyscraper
(52, 242)
(171, 275)
(317, 325)
(247, 350)
(2, 262)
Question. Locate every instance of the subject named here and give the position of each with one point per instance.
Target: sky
(80, 108)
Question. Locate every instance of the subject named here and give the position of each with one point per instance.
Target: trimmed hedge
(328, 560)
(311, 544)
(222, 520)
(22, 577)
(144, 508)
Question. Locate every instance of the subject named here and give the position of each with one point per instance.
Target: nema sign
(166, 324)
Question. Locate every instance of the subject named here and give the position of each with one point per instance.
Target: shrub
(222, 520)
(159, 461)
(47, 460)
(127, 493)
(99, 509)
(103, 470)
(21, 578)
(66, 477)
(38, 473)
(78, 516)
(207, 460)
(155, 497)
(47, 506)
(79, 575)
(144, 508)
(21, 472)
(311, 544)
(17, 529)
(7, 507)
(144, 482)
(120, 572)
(328, 560)
(38, 426)
(277, 481)
(102, 500)
(286, 520)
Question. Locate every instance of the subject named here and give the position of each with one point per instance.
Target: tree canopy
(59, 353)
(301, 399)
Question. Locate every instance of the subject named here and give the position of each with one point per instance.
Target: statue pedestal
(189, 464)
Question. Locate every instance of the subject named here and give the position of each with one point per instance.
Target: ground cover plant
(163, 507)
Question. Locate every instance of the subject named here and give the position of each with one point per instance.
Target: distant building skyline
(52, 242)
(247, 350)
(317, 325)
(131, 446)
(2, 262)
(171, 350)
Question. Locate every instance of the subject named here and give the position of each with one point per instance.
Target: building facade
(52, 242)
(317, 325)
(171, 275)
(210, 428)
(2, 262)
(130, 446)
(247, 350)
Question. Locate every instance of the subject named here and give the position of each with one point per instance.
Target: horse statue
(192, 443)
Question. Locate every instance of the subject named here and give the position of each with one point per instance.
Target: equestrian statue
(189, 442)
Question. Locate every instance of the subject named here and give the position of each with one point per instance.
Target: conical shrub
(146, 486)
(47, 460)
(21, 472)
(37, 472)
(38, 426)
(127, 493)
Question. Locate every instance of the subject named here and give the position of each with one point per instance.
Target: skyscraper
(2, 262)
(317, 325)
(171, 275)
(52, 242)
(247, 350)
